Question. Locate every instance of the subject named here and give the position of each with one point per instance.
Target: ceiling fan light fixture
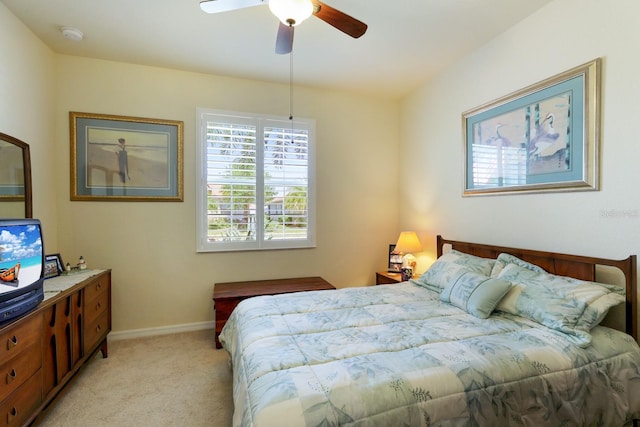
(291, 12)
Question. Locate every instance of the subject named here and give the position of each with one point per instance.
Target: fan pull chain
(291, 85)
(291, 92)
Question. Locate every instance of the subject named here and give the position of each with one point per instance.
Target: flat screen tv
(21, 267)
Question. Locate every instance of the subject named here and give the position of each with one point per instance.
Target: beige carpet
(168, 380)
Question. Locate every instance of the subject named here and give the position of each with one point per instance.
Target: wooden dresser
(41, 351)
(226, 296)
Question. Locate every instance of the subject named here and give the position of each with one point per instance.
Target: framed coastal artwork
(123, 158)
(544, 137)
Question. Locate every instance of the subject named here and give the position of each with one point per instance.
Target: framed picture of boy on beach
(125, 158)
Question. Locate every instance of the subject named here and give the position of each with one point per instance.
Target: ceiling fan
(291, 13)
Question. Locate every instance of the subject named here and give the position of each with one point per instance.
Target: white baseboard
(161, 330)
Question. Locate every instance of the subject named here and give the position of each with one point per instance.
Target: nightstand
(386, 278)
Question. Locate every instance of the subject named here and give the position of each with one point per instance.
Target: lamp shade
(408, 242)
(291, 12)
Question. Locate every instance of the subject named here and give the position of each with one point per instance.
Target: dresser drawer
(95, 289)
(95, 331)
(14, 372)
(94, 308)
(15, 338)
(17, 408)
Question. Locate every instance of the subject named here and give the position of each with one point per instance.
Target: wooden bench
(226, 296)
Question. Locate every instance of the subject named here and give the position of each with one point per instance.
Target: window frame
(260, 243)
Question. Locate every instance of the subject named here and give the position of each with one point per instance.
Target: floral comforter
(395, 355)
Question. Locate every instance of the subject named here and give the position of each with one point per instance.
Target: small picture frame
(395, 260)
(52, 266)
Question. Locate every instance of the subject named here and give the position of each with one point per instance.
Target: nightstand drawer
(386, 278)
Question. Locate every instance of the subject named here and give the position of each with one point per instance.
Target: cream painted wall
(27, 93)
(158, 278)
(564, 34)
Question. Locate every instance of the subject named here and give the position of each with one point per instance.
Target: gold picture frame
(120, 158)
(545, 137)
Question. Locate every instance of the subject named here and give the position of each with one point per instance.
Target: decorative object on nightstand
(406, 273)
(395, 260)
(408, 243)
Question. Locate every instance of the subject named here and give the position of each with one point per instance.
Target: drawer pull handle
(13, 412)
(11, 376)
(98, 286)
(98, 328)
(98, 306)
(12, 342)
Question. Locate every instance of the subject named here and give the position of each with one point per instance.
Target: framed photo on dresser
(53, 266)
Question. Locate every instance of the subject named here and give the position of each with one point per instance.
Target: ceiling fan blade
(339, 20)
(284, 40)
(217, 6)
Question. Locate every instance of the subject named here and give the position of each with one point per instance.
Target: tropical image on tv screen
(20, 256)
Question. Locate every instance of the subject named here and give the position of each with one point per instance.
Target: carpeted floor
(168, 380)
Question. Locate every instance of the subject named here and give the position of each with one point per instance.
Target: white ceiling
(408, 41)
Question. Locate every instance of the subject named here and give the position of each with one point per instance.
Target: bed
(457, 346)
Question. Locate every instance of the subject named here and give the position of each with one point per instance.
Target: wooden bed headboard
(580, 267)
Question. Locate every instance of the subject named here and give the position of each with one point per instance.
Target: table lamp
(408, 243)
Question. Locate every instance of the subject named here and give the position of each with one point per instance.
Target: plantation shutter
(286, 182)
(231, 179)
(258, 179)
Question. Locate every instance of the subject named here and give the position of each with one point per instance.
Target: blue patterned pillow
(450, 265)
(475, 293)
(505, 259)
(562, 303)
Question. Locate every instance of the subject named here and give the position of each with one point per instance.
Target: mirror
(15, 178)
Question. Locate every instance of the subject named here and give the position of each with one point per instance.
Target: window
(255, 182)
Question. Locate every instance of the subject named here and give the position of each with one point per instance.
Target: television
(21, 267)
